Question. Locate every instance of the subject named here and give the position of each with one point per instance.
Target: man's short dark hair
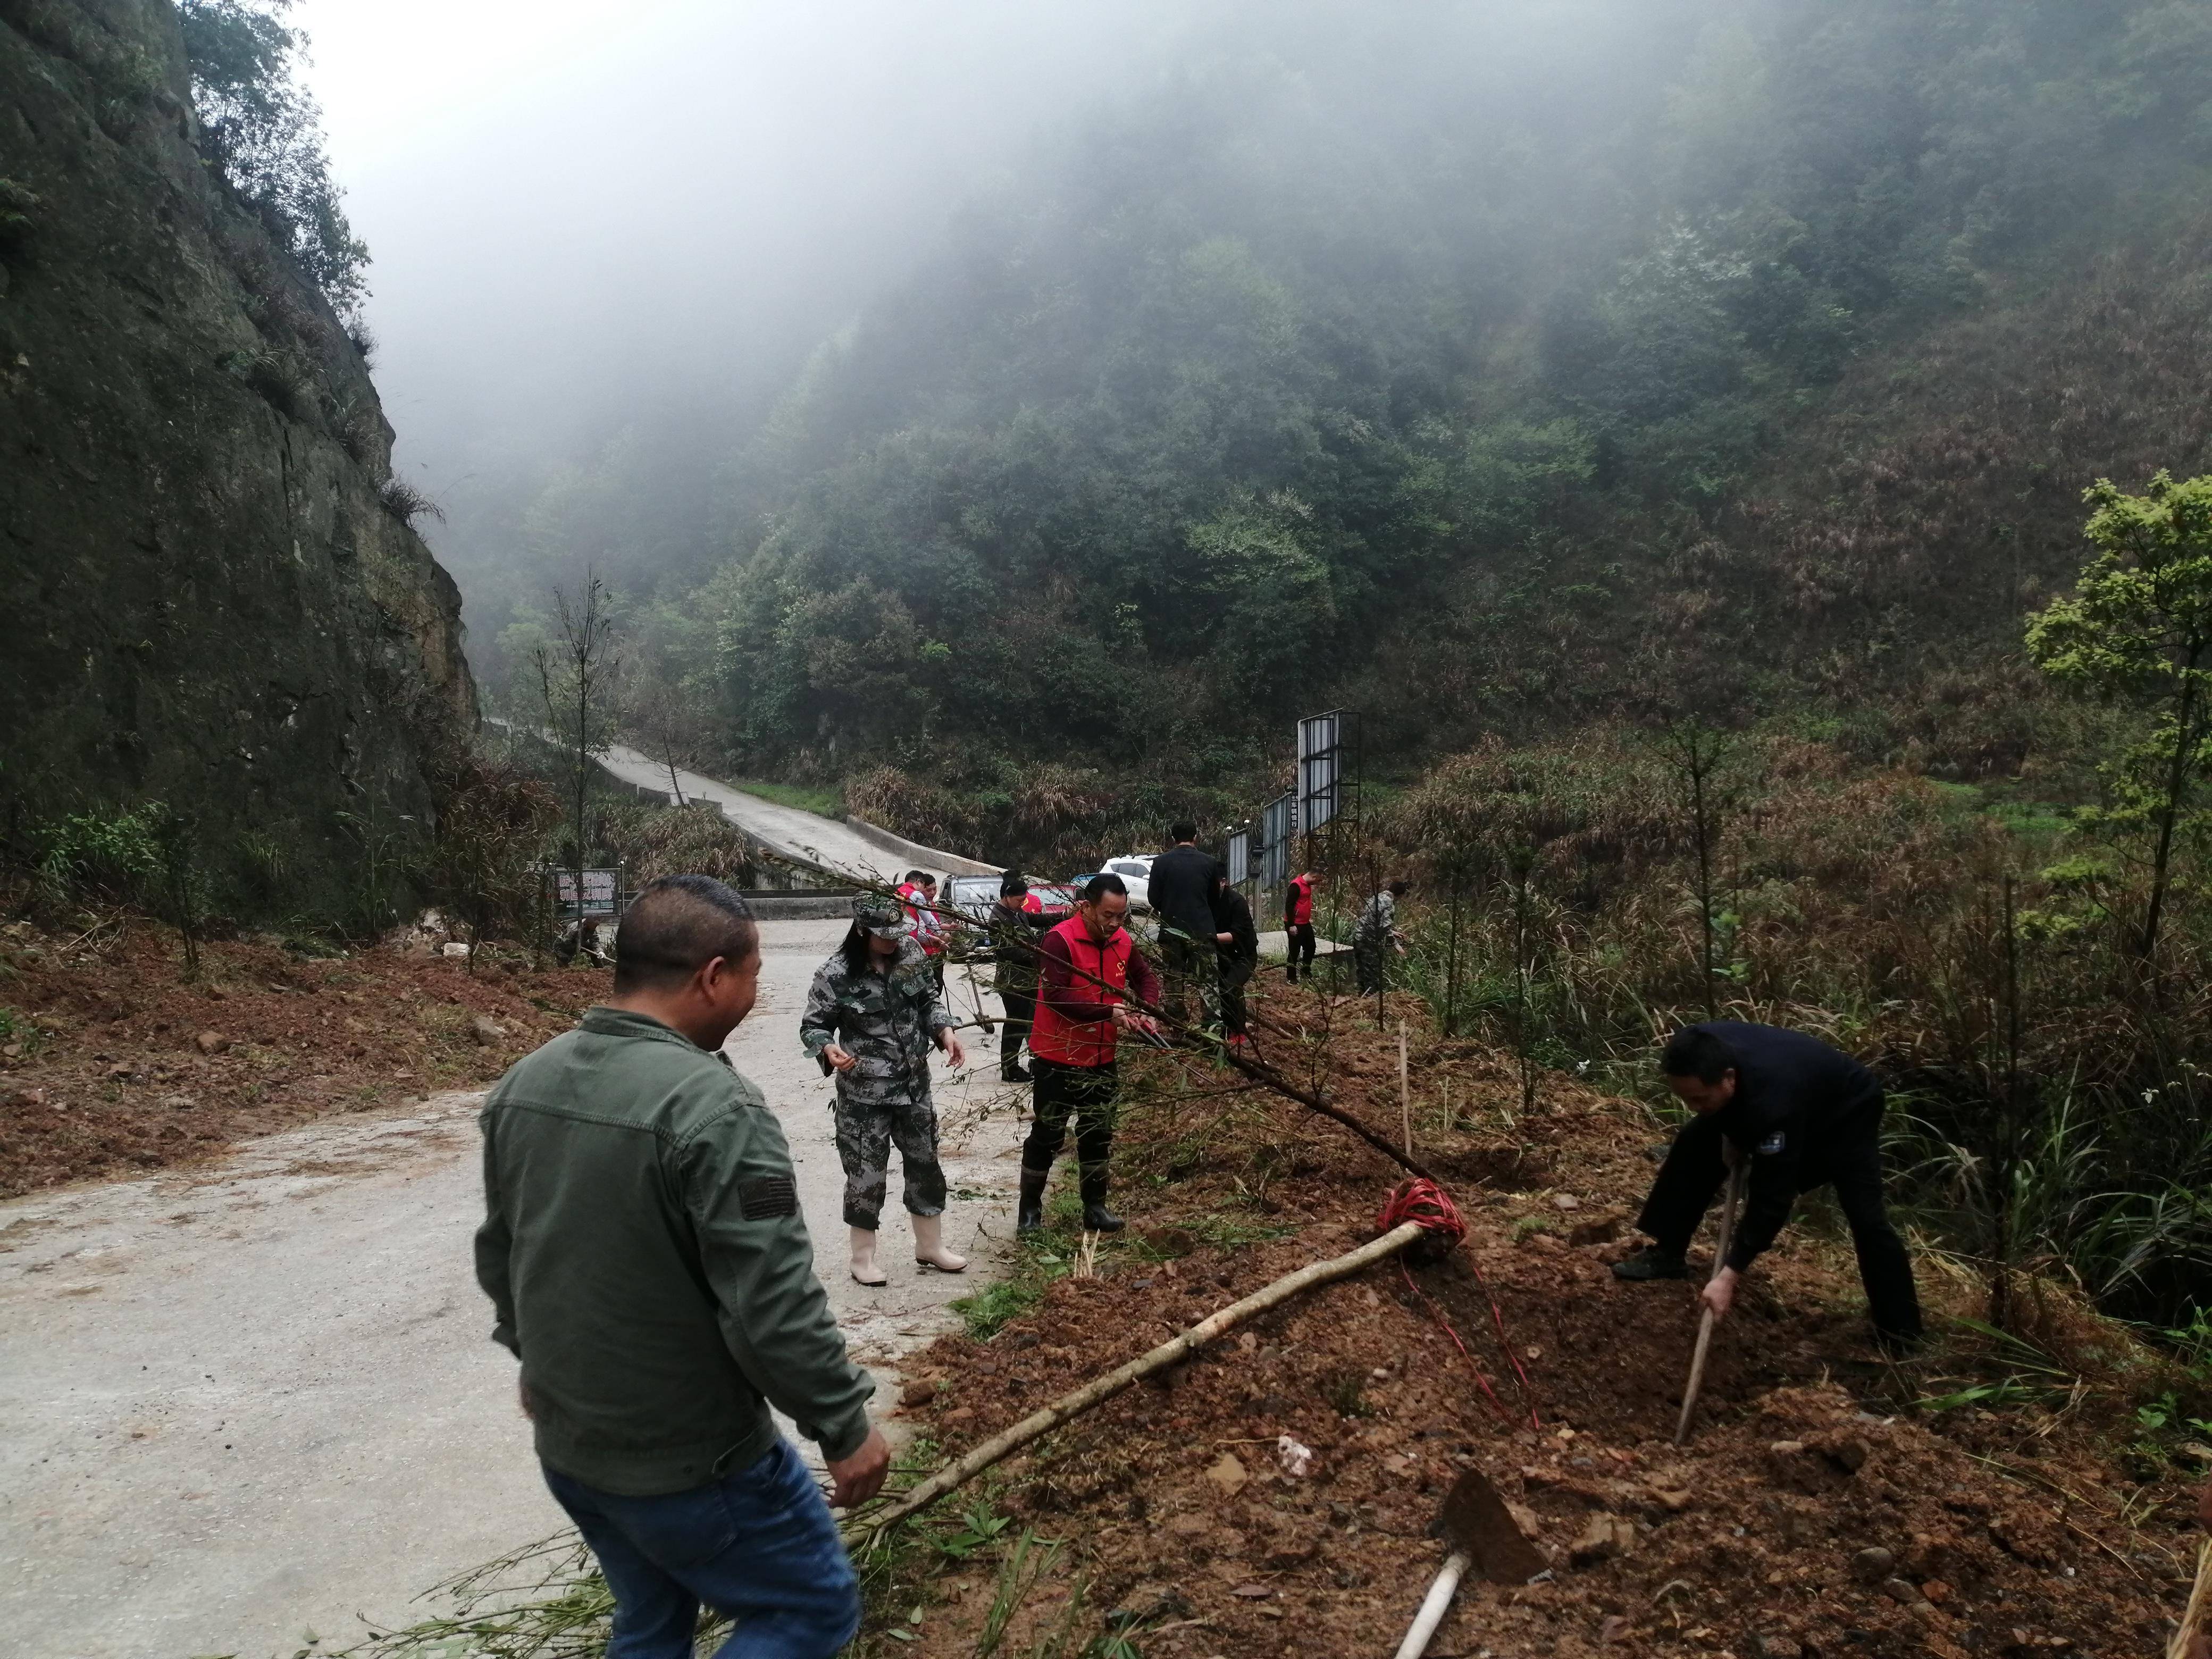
(1183, 830)
(676, 926)
(1103, 883)
(917, 875)
(1399, 886)
(1010, 886)
(1698, 1054)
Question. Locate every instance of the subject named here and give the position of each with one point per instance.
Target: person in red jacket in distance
(1088, 967)
(1297, 921)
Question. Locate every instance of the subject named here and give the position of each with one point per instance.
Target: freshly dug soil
(111, 1061)
(1817, 1510)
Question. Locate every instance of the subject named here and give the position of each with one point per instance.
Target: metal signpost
(602, 894)
(1240, 855)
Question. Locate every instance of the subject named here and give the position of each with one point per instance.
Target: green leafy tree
(2138, 630)
(265, 130)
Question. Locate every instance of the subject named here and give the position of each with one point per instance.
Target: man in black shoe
(1092, 985)
(1182, 888)
(1806, 1116)
(1238, 941)
(1016, 922)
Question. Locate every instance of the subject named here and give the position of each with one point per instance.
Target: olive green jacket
(647, 1261)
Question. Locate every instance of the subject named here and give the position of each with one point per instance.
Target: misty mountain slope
(210, 604)
(1478, 371)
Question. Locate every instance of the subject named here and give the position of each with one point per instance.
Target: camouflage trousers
(866, 1132)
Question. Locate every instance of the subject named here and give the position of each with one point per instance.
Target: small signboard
(601, 893)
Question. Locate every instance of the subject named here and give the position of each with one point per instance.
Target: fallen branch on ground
(1100, 1390)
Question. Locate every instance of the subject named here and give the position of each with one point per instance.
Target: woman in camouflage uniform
(871, 1015)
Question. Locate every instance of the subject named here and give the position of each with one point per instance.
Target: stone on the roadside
(1874, 1563)
(487, 1031)
(211, 1043)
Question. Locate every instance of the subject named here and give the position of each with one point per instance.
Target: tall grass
(2052, 1090)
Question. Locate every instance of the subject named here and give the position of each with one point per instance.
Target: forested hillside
(1476, 370)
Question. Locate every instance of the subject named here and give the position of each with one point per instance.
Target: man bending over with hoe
(1806, 1115)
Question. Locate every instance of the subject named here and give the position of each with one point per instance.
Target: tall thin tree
(577, 680)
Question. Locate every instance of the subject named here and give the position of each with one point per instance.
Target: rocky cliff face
(209, 595)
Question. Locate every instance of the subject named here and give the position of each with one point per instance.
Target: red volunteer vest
(1083, 1042)
(1300, 903)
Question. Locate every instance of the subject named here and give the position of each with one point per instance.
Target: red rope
(1421, 1200)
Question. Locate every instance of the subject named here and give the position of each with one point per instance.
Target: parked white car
(1135, 870)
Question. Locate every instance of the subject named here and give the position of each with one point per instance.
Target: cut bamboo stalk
(1706, 1322)
(1100, 1390)
(1404, 1091)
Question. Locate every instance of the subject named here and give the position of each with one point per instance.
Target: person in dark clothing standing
(1016, 923)
(1238, 943)
(1182, 884)
(1297, 921)
(1806, 1116)
(1092, 985)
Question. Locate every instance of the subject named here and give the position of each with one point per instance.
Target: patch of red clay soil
(1815, 1511)
(113, 1063)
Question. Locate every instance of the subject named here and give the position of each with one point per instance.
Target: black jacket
(1235, 916)
(1182, 890)
(1797, 1103)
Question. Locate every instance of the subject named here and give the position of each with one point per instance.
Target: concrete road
(245, 1405)
(806, 836)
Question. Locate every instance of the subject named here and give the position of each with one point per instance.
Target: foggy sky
(583, 216)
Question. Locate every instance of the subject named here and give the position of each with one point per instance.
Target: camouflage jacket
(1014, 937)
(889, 1022)
(1379, 921)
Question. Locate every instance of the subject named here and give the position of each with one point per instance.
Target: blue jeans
(758, 1546)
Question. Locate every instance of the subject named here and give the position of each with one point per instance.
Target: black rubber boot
(1011, 1071)
(1652, 1262)
(1097, 1218)
(1029, 1216)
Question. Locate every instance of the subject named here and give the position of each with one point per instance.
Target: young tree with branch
(2138, 630)
(577, 679)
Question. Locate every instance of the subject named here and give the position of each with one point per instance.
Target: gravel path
(243, 1404)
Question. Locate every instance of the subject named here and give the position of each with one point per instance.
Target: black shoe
(1097, 1218)
(1029, 1216)
(1652, 1262)
(1013, 1073)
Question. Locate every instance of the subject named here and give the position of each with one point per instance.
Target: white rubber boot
(929, 1250)
(864, 1270)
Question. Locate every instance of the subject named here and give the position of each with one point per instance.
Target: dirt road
(243, 1403)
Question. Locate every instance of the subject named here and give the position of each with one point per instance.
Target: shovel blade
(1475, 1520)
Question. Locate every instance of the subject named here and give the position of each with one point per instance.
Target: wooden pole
(2190, 1640)
(1100, 1390)
(1404, 1091)
(1705, 1321)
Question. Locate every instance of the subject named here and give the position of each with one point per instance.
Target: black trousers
(1021, 1009)
(1083, 1093)
(1189, 961)
(1236, 974)
(1694, 1173)
(1302, 950)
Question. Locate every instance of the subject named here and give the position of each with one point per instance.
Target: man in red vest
(1087, 968)
(1297, 921)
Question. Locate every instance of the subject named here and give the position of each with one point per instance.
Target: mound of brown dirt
(1817, 1510)
(111, 1062)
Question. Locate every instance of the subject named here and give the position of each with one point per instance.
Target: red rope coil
(1421, 1200)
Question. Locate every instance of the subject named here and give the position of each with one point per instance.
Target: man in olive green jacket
(647, 1261)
